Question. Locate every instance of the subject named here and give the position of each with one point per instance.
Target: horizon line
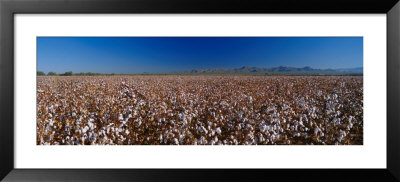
(147, 72)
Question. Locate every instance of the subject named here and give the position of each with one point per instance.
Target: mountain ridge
(272, 70)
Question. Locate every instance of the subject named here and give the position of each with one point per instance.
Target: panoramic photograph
(199, 91)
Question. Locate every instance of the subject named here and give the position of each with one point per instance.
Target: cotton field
(199, 110)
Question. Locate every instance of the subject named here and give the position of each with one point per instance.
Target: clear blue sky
(169, 54)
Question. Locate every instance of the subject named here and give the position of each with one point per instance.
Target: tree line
(70, 73)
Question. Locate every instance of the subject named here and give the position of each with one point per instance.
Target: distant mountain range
(274, 70)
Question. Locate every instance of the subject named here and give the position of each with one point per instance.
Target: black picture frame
(8, 8)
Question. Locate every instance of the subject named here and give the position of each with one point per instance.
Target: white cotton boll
(263, 128)
(301, 123)
(340, 138)
(91, 125)
(120, 117)
(261, 138)
(181, 116)
(181, 137)
(122, 138)
(127, 132)
(272, 137)
(204, 129)
(270, 128)
(336, 121)
(350, 119)
(86, 128)
(51, 122)
(219, 130)
(313, 115)
(184, 121)
(212, 133)
(251, 127)
(316, 130)
(203, 140)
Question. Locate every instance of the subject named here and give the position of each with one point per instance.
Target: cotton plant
(200, 110)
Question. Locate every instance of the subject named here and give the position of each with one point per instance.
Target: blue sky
(170, 54)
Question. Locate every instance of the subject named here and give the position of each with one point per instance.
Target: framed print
(152, 90)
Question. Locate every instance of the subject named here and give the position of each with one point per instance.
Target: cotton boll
(85, 129)
(181, 116)
(218, 130)
(51, 122)
(212, 133)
